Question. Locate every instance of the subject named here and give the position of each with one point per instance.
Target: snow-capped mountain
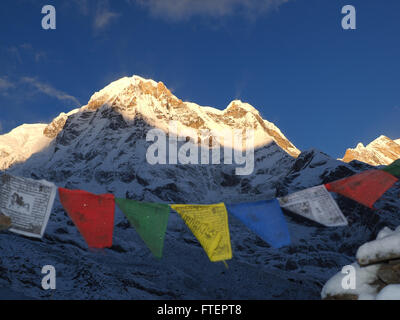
(154, 103)
(382, 151)
(21, 143)
(131, 99)
(101, 147)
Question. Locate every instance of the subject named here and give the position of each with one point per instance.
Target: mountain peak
(241, 107)
(381, 138)
(132, 98)
(360, 146)
(126, 90)
(153, 101)
(381, 151)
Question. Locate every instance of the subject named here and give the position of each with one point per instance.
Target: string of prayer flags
(315, 204)
(92, 214)
(365, 188)
(150, 221)
(27, 203)
(209, 224)
(394, 168)
(265, 218)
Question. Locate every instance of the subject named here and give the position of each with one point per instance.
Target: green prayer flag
(394, 168)
(150, 221)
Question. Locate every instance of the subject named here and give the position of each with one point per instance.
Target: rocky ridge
(382, 151)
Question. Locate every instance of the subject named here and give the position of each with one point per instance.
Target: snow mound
(378, 279)
(385, 247)
(391, 292)
(364, 289)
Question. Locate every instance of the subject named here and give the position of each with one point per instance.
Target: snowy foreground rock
(377, 271)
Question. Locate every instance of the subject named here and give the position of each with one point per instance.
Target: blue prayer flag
(265, 218)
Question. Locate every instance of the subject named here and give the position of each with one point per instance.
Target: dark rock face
(390, 273)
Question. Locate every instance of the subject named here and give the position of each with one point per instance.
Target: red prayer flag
(365, 188)
(92, 214)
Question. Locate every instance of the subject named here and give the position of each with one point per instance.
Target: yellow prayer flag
(209, 224)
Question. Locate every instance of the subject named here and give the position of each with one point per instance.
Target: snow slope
(19, 144)
(128, 270)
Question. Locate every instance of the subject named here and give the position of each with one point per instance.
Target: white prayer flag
(28, 203)
(315, 204)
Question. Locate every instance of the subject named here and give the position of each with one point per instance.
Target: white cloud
(14, 52)
(49, 90)
(26, 46)
(83, 6)
(13, 88)
(40, 56)
(5, 84)
(103, 18)
(185, 9)
(98, 11)
(25, 52)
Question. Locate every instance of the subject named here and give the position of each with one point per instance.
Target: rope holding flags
(26, 204)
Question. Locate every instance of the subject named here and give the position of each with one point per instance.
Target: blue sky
(324, 87)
